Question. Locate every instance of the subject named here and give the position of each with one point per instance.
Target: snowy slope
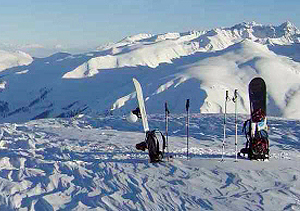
(91, 164)
(199, 65)
(13, 59)
(152, 50)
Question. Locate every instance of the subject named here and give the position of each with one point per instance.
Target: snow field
(92, 164)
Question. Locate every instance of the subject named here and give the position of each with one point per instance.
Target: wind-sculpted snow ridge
(92, 164)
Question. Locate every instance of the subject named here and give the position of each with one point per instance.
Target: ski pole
(235, 103)
(187, 106)
(225, 111)
(167, 112)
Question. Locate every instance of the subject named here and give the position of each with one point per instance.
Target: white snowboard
(139, 93)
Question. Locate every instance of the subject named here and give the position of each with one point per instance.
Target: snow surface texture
(92, 164)
(172, 67)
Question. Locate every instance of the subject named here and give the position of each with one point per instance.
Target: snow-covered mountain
(41, 51)
(13, 59)
(199, 65)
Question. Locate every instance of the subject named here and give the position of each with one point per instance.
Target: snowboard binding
(256, 132)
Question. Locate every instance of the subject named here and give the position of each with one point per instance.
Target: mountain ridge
(172, 67)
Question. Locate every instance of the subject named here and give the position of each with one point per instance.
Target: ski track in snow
(92, 164)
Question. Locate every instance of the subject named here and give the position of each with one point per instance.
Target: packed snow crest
(172, 67)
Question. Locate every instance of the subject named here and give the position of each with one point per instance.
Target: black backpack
(257, 146)
(152, 144)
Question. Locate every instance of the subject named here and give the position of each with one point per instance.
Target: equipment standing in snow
(151, 142)
(187, 106)
(167, 113)
(257, 146)
(235, 103)
(225, 111)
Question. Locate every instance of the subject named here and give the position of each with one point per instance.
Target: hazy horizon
(83, 25)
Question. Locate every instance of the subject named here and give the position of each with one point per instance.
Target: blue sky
(95, 22)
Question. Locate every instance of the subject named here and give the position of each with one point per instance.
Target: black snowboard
(257, 146)
(257, 96)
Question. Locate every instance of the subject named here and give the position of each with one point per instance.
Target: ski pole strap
(245, 124)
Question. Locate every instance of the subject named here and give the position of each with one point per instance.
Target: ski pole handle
(187, 105)
(235, 96)
(166, 108)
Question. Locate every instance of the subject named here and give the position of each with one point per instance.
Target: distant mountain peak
(252, 24)
(289, 27)
(137, 37)
(246, 25)
(288, 24)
